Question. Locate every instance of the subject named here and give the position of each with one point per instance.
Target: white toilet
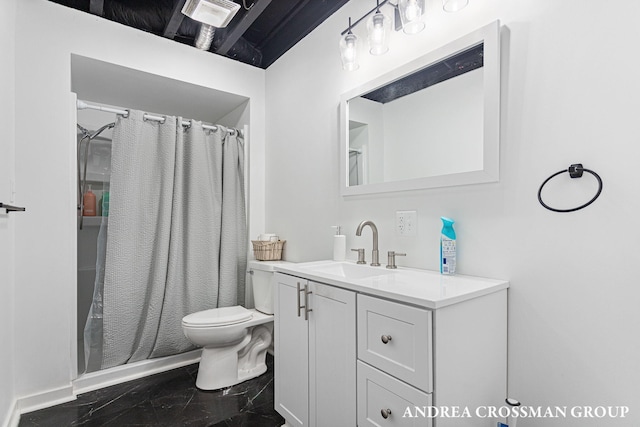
(235, 340)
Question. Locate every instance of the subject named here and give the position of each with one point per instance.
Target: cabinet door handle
(385, 339)
(300, 307)
(306, 302)
(385, 413)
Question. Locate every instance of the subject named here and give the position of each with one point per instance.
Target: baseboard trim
(98, 380)
(120, 374)
(45, 399)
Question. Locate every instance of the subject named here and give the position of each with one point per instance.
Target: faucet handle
(360, 255)
(391, 259)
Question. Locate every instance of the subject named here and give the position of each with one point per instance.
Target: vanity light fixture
(378, 28)
(411, 12)
(408, 17)
(349, 50)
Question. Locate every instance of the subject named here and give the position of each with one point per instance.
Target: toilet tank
(263, 281)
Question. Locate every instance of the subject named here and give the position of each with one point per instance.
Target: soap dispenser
(339, 245)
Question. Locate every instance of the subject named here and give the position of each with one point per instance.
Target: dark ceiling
(258, 35)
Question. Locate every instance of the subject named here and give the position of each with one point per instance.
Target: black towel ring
(575, 171)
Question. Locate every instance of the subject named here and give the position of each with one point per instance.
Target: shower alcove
(106, 84)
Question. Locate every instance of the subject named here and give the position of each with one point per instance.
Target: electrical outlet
(406, 223)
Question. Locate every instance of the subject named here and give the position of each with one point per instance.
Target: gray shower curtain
(176, 240)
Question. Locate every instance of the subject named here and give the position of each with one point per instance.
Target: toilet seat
(216, 317)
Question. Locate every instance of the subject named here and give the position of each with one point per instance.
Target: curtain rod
(83, 105)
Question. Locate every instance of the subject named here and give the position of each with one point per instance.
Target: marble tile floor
(168, 399)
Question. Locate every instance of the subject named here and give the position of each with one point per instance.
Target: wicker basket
(268, 251)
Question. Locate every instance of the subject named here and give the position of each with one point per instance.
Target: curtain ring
(150, 117)
(223, 132)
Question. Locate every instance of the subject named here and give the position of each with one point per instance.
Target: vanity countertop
(424, 288)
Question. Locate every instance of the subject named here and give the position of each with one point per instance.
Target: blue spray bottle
(447, 247)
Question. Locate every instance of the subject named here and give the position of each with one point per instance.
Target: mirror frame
(490, 172)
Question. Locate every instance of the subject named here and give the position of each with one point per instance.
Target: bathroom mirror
(434, 122)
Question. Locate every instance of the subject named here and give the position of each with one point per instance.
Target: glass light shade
(349, 52)
(411, 12)
(378, 28)
(454, 5)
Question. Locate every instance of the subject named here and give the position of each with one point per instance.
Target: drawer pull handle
(385, 339)
(385, 413)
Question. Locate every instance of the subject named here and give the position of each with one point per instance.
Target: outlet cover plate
(406, 223)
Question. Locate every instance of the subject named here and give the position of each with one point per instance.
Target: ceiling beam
(300, 22)
(242, 26)
(279, 28)
(96, 7)
(171, 29)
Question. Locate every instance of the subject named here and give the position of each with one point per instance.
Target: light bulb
(411, 12)
(349, 52)
(379, 27)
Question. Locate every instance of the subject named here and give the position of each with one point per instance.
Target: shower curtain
(176, 237)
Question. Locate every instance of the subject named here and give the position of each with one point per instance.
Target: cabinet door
(332, 353)
(291, 353)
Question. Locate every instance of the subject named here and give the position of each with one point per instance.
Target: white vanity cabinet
(387, 348)
(315, 353)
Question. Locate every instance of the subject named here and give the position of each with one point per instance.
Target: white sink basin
(347, 270)
(425, 288)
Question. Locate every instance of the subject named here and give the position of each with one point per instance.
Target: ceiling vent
(212, 14)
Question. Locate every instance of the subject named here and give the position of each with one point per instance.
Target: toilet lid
(218, 317)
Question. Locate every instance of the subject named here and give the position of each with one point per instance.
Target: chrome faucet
(374, 253)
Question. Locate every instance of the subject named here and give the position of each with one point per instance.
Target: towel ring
(575, 171)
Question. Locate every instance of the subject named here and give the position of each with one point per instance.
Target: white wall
(569, 94)
(47, 35)
(7, 147)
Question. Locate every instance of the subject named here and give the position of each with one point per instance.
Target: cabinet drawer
(396, 338)
(378, 392)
